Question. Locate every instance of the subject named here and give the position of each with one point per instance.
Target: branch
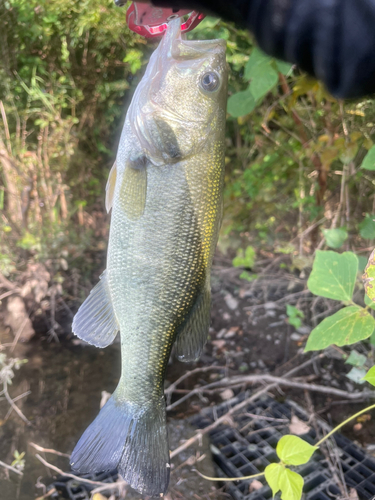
(13, 469)
(14, 406)
(77, 478)
(239, 406)
(48, 450)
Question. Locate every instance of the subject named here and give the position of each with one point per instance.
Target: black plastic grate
(247, 446)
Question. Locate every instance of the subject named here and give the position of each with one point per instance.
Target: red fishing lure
(150, 21)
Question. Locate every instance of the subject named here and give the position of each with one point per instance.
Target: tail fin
(132, 439)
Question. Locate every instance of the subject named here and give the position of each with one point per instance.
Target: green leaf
(335, 238)
(293, 311)
(272, 474)
(362, 263)
(260, 71)
(356, 375)
(241, 104)
(264, 79)
(369, 302)
(356, 359)
(369, 377)
(249, 277)
(293, 450)
(369, 277)
(245, 258)
(284, 67)
(367, 227)
(291, 485)
(369, 160)
(333, 275)
(257, 59)
(347, 326)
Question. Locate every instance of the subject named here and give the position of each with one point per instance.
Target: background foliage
(300, 164)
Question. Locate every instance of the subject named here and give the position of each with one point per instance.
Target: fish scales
(165, 191)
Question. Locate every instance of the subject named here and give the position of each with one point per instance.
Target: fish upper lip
(199, 45)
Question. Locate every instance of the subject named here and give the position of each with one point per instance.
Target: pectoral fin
(110, 187)
(193, 332)
(95, 321)
(133, 191)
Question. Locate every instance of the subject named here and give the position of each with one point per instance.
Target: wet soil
(249, 334)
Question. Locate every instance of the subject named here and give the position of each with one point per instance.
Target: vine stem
(260, 474)
(344, 423)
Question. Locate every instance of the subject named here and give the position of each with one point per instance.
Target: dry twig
(14, 406)
(104, 486)
(199, 434)
(48, 450)
(13, 469)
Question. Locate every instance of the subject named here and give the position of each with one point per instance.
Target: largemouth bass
(165, 191)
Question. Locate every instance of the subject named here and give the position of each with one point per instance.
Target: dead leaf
(231, 332)
(364, 418)
(255, 485)
(98, 496)
(221, 334)
(227, 394)
(298, 427)
(18, 319)
(353, 495)
(218, 343)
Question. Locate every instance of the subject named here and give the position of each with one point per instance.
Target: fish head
(181, 101)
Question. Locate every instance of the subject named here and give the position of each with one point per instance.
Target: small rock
(269, 305)
(227, 394)
(304, 330)
(295, 336)
(276, 323)
(270, 313)
(231, 302)
(226, 317)
(268, 337)
(261, 364)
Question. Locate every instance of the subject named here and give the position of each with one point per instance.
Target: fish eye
(210, 81)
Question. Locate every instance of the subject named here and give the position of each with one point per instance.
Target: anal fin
(95, 321)
(133, 190)
(194, 331)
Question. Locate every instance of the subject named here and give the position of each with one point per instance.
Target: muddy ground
(249, 334)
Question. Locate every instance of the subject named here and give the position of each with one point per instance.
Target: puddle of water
(66, 383)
